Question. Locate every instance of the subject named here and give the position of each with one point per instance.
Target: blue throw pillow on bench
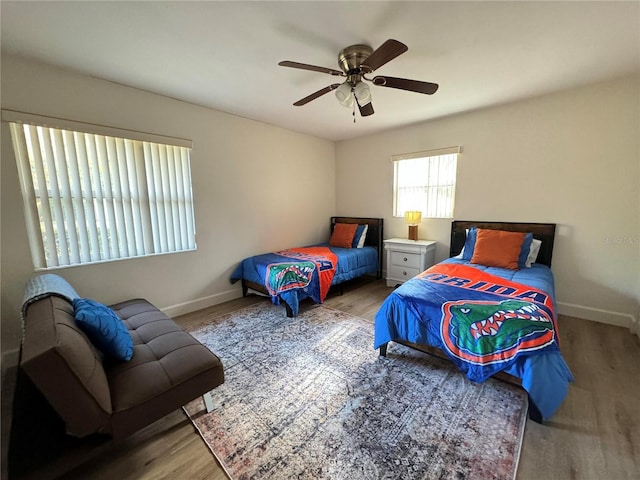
(104, 328)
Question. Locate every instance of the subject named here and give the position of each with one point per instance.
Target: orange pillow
(343, 234)
(497, 248)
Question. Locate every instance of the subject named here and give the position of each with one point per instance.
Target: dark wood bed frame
(373, 239)
(544, 232)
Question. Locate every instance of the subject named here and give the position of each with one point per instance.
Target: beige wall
(250, 195)
(571, 158)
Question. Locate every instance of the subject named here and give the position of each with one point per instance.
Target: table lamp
(413, 218)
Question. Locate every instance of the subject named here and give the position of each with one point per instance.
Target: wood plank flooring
(594, 435)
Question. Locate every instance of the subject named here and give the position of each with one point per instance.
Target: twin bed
(289, 276)
(487, 319)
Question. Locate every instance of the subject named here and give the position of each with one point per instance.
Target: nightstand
(407, 258)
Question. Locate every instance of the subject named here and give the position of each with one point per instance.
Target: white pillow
(533, 252)
(363, 237)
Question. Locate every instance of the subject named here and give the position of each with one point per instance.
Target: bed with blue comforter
(486, 320)
(291, 275)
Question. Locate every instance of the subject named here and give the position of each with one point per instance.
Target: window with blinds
(425, 181)
(91, 198)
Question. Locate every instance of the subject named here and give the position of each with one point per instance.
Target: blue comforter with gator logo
(485, 323)
(288, 273)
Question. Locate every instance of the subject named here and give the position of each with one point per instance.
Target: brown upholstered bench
(169, 368)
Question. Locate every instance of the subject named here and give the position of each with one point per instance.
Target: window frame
(427, 211)
(148, 172)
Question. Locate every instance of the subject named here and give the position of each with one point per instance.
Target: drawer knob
(404, 273)
(405, 259)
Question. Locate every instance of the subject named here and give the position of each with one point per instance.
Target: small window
(91, 198)
(425, 181)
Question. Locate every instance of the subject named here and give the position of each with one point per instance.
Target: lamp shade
(413, 217)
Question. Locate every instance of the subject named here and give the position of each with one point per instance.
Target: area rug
(309, 398)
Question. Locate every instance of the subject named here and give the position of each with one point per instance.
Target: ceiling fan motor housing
(350, 59)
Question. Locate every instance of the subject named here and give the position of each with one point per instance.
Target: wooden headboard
(374, 233)
(544, 232)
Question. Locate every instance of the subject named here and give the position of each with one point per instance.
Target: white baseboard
(599, 315)
(588, 313)
(203, 302)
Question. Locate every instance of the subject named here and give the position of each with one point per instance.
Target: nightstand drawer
(402, 273)
(405, 260)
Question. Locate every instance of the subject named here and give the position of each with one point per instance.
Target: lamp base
(413, 232)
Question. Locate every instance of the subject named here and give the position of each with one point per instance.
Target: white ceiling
(225, 55)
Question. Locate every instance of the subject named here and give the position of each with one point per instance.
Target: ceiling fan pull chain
(354, 112)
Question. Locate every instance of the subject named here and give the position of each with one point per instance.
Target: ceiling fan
(355, 62)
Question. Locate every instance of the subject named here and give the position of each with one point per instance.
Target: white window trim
(65, 124)
(142, 158)
(427, 153)
(422, 154)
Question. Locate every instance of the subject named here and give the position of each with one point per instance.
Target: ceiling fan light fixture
(344, 96)
(362, 93)
(355, 62)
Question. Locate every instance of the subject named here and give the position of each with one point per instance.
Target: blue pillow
(524, 250)
(469, 244)
(104, 328)
(356, 237)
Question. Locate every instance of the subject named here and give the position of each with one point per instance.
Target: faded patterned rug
(309, 398)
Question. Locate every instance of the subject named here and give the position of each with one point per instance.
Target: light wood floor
(594, 435)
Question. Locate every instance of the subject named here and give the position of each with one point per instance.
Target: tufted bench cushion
(169, 368)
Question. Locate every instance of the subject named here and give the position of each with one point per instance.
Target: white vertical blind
(91, 197)
(30, 203)
(426, 181)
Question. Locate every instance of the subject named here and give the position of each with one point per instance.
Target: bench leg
(208, 401)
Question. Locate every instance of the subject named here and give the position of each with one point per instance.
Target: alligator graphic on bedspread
(294, 274)
(308, 268)
(481, 321)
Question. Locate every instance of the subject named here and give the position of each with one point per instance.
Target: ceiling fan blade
(405, 84)
(366, 110)
(384, 53)
(317, 94)
(304, 66)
